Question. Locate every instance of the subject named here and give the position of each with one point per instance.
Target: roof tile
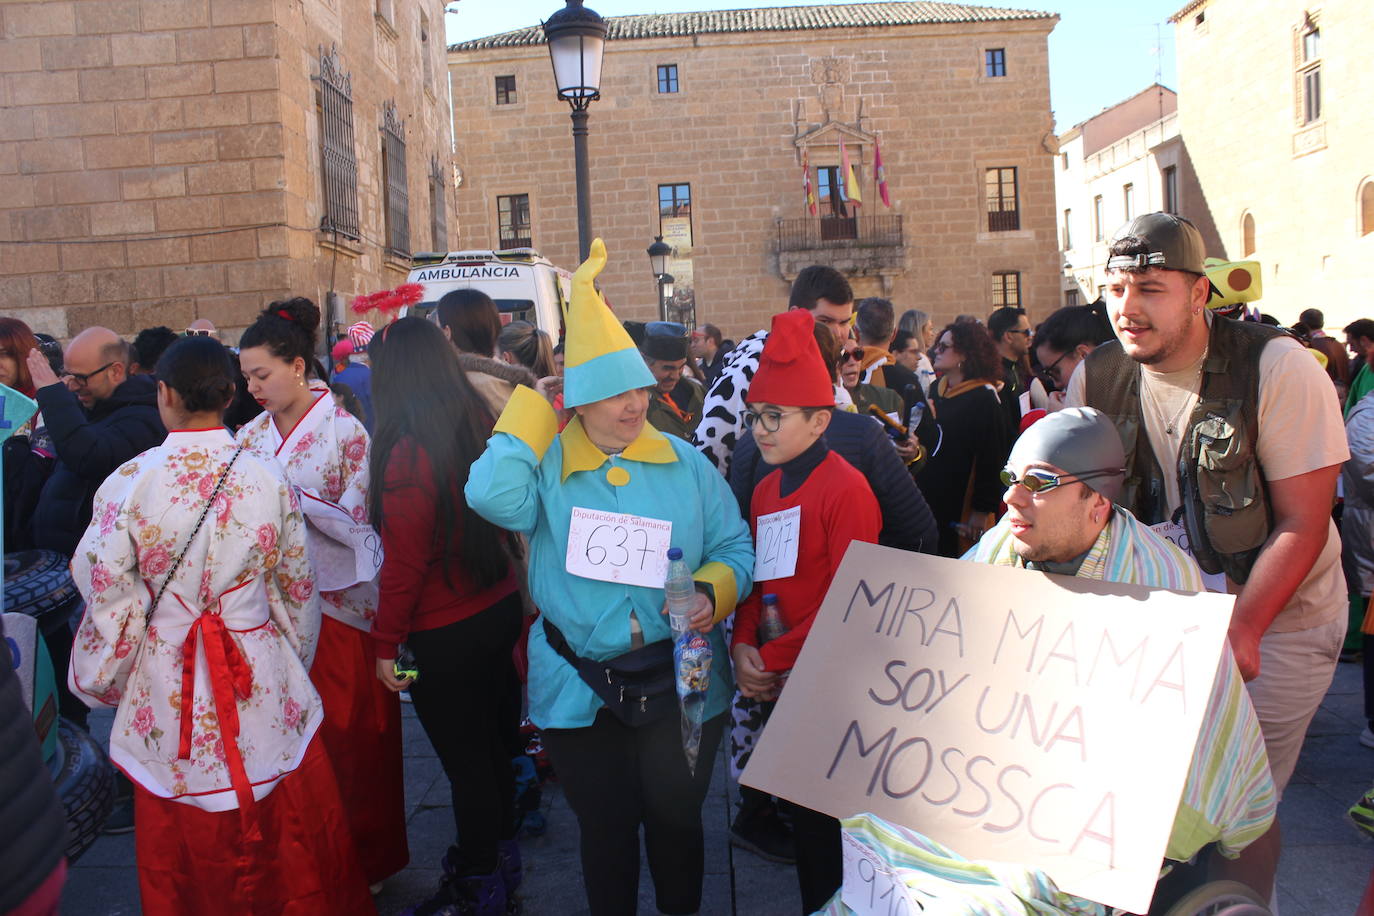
(771, 19)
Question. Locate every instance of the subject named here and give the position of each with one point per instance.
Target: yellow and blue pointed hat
(599, 358)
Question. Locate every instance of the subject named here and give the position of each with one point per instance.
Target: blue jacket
(358, 378)
(529, 479)
(907, 521)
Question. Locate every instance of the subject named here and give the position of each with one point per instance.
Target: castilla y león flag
(880, 176)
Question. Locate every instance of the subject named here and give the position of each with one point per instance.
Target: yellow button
(617, 477)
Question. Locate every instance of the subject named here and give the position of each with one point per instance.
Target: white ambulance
(524, 285)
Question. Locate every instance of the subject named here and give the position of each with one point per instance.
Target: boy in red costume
(810, 509)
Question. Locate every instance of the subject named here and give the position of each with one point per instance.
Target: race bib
(611, 547)
(775, 546)
(1178, 536)
(870, 887)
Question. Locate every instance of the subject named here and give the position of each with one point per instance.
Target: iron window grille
(1004, 212)
(1006, 289)
(513, 221)
(338, 158)
(396, 197)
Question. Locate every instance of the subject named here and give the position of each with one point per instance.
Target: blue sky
(1101, 52)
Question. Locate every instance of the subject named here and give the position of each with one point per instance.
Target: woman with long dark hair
(323, 450)
(201, 621)
(960, 480)
(449, 592)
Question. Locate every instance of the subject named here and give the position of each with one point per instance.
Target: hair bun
(299, 310)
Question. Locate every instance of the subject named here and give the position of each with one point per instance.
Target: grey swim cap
(1077, 440)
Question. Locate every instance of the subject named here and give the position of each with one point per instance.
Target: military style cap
(1174, 242)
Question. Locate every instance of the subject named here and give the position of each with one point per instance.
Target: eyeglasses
(1049, 370)
(856, 354)
(1025, 331)
(197, 332)
(81, 378)
(1037, 480)
(770, 420)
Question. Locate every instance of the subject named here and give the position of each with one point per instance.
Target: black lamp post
(658, 262)
(576, 37)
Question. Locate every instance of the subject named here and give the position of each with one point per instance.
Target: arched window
(1367, 207)
(1247, 235)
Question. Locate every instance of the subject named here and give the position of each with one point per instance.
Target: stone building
(162, 161)
(1128, 160)
(706, 119)
(1274, 106)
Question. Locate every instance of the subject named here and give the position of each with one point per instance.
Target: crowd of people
(272, 554)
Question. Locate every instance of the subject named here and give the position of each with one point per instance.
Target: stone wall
(1241, 118)
(159, 161)
(730, 134)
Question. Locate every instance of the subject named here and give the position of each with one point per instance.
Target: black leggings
(615, 778)
(467, 698)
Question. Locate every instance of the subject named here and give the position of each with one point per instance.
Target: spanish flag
(851, 184)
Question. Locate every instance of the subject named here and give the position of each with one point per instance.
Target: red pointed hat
(792, 372)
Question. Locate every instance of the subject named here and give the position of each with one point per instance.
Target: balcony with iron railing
(857, 246)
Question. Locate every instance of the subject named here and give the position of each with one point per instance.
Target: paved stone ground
(1325, 865)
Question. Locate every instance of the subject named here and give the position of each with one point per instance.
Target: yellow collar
(579, 454)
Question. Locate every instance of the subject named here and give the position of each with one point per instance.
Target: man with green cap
(1063, 477)
(1231, 435)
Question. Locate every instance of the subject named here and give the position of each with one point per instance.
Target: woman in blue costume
(616, 776)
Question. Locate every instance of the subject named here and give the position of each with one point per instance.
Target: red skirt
(362, 734)
(196, 861)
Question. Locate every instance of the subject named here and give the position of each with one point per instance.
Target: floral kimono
(324, 458)
(215, 710)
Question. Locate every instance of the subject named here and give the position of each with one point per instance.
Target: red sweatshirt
(837, 506)
(414, 592)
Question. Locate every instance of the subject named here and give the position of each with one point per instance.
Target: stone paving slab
(1325, 864)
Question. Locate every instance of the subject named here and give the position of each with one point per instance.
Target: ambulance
(524, 285)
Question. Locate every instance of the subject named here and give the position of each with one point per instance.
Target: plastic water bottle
(771, 624)
(679, 590)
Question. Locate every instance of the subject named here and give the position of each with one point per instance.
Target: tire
(1220, 898)
(85, 784)
(39, 584)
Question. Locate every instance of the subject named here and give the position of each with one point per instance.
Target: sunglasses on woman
(856, 354)
(1037, 480)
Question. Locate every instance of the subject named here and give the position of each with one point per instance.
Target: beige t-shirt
(1300, 430)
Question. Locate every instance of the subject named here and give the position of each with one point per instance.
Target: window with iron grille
(1004, 213)
(505, 90)
(513, 220)
(438, 209)
(396, 195)
(338, 159)
(1006, 288)
(995, 61)
(667, 77)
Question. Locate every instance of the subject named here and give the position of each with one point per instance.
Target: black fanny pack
(638, 687)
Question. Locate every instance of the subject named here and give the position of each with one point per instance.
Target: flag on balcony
(851, 184)
(806, 184)
(879, 175)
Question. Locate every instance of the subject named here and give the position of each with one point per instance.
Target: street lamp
(658, 262)
(576, 37)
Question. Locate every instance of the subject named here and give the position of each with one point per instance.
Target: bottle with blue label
(692, 654)
(679, 591)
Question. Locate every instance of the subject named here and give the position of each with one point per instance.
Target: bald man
(202, 327)
(99, 417)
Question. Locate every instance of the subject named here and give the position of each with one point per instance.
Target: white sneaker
(1367, 737)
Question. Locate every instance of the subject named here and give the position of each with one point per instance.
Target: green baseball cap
(1174, 243)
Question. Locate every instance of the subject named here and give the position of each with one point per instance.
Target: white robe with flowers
(237, 624)
(324, 456)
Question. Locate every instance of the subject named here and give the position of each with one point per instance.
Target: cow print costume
(722, 416)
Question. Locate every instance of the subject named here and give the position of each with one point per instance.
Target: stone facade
(1301, 188)
(161, 161)
(749, 103)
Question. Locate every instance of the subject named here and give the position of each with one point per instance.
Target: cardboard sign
(611, 547)
(1010, 715)
(775, 545)
(1177, 535)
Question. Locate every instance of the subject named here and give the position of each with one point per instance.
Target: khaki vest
(1225, 503)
